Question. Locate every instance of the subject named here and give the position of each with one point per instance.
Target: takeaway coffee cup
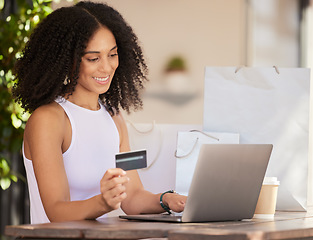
(266, 204)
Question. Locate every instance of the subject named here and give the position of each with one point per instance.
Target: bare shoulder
(50, 113)
(50, 117)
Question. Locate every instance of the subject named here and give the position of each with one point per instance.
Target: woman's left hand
(175, 201)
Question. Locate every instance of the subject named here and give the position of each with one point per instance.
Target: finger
(115, 202)
(113, 172)
(117, 190)
(107, 185)
(178, 208)
(177, 203)
(114, 193)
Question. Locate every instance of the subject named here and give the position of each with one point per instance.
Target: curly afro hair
(56, 47)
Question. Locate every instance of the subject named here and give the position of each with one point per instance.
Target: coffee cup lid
(270, 181)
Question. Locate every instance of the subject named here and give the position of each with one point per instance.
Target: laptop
(225, 186)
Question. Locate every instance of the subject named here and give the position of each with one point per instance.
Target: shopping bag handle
(204, 133)
(241, 66)
(147, 132)
(192, 149)
(142, 132)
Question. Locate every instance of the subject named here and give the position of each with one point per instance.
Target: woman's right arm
(43, 140)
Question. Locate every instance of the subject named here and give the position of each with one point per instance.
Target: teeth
(101, 79)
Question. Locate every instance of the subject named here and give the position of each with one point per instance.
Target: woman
(80, 66)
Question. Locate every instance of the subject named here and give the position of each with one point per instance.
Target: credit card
(131, 160)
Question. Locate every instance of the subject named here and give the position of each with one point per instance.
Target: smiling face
(98, 64)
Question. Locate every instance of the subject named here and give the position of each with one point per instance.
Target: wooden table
(286, 225)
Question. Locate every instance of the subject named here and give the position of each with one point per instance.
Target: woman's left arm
(139, 200)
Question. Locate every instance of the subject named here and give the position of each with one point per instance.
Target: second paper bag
(266, 105)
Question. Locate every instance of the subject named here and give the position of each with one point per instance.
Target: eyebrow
(115, 47)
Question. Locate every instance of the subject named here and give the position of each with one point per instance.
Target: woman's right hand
(112, 187)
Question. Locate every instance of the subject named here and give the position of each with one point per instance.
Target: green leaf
(4, 167)
(1, 4)
(48, 10)
(13, 178)
(5, 183)
(16, 122)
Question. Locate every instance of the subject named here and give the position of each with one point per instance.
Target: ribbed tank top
(95, 141)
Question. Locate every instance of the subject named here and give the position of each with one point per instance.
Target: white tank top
(95, 141)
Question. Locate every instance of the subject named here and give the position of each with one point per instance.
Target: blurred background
(206, 33)
(179, 38)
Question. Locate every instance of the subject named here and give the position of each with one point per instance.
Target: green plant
(15, 29)
(176, 64)
(6, 174)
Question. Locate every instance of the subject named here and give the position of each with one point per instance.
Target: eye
(92, 59)
(113, 55)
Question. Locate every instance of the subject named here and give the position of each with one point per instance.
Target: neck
(90, 103)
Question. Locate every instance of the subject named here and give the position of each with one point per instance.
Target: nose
(105, 65)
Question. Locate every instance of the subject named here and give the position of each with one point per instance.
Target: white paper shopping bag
(188, 148)
(160, 141)
(266, 105)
